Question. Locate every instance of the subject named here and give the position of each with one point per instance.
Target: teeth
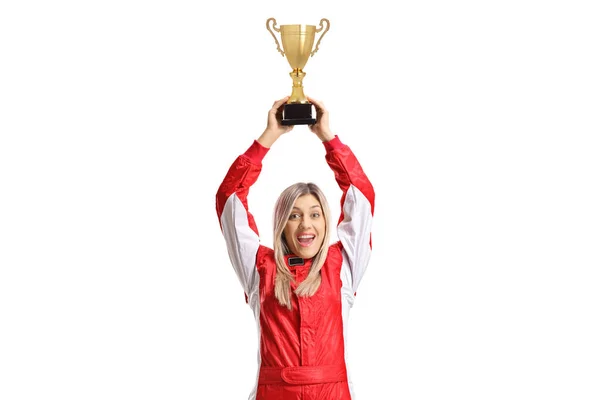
(306, 237)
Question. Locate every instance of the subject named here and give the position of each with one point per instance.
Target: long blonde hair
(281, 214)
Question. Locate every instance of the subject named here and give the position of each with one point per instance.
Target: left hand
(321, 127)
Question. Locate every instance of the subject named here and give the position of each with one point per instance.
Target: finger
(279, 112)
(280, 102)
(317, 103)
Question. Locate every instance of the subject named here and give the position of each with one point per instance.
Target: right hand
(275, 117)
(274, 127)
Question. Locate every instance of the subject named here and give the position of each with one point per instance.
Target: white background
(477, 122)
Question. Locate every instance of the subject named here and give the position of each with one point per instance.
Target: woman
(300, 291)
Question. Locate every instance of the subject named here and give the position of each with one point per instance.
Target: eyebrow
(315, 206)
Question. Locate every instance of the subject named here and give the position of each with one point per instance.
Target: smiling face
(304, 231)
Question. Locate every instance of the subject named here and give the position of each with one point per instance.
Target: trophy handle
(272, 34)
(322, 34)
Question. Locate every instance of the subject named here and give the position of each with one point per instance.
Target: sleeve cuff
(333, 144)
(256, 152)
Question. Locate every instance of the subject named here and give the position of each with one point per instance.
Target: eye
(316, 215)
(294, 216)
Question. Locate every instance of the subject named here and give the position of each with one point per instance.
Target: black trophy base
(298, 114)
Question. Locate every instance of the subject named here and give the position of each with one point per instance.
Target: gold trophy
(297, 47)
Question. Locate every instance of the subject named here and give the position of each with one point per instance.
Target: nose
(305, 222)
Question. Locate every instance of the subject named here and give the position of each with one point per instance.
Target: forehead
(307, 201)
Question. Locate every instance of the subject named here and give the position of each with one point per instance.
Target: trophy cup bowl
(297, 41)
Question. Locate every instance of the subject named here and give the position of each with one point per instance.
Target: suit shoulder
(264, 257)
(335, 251)
(336, 247)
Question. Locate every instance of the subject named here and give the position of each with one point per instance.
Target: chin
(308, 256)
(306, 253)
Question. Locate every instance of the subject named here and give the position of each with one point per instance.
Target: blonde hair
(281, 214)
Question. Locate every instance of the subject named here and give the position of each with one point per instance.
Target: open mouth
(305, 240)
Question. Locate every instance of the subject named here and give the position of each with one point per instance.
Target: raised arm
(357, 204)
(358, 197)
(236, 221)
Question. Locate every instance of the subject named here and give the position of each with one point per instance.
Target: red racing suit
(301, 352)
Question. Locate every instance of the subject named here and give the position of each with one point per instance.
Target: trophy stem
(297, 95)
